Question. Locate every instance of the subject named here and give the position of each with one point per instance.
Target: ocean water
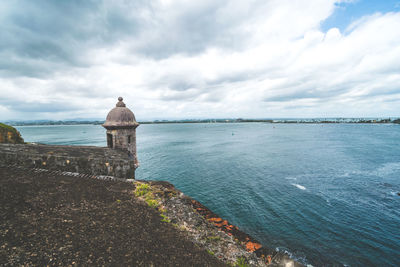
(326, 193)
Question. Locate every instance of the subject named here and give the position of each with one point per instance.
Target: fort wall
(81, 159)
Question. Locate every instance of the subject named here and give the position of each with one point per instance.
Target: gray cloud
(38, 107)
(256, 58)
(308, 88)
(60, 33)
(193, 29)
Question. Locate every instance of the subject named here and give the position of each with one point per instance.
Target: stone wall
(81, 159)
(125, 138)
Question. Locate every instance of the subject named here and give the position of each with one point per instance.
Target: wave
(301, 259)
(388, 168)
(384, 170)
(299, 186)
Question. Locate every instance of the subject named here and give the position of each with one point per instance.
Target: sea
(324, 193)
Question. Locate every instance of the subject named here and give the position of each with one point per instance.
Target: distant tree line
(239, 120)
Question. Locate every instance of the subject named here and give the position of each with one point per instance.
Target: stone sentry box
(121, 130)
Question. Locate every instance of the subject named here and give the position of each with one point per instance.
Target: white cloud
(179, 59)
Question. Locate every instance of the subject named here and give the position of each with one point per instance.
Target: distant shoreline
(277, 121)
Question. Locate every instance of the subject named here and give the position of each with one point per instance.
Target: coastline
(188, 217)
(211, 232)
(381, 120)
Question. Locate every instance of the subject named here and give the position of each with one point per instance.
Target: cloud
(178, 59)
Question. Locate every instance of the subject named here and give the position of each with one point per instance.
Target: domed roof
(120, 117)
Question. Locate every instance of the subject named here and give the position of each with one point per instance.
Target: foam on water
(383, 170)
(387, 169)
(299, 258)
(299, 186)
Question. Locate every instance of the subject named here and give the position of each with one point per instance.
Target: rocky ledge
(9, 134)
(206, 229)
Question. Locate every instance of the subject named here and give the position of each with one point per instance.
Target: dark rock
(207, 230)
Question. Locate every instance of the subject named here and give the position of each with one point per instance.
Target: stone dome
(120, 117)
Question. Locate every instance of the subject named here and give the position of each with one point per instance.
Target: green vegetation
(213, 238)
(165, 218)
(145, 192)
(210, 252)
(8, 127)
(226, 120)
(153, 203)
(9, 134)
(142, 189)
(241, 262)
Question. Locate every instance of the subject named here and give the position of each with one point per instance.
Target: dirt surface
(51, 219)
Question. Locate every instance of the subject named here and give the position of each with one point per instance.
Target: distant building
(121, 130)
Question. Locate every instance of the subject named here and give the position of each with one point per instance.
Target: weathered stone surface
(10, 135)
(121, 129)
(81, 159)
(120, 116)
(124, 139)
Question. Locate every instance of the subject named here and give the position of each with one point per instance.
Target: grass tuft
(153, 203)
(146, 192)
(241, 262)
(165, 218)
(142, 189)
(210, 252)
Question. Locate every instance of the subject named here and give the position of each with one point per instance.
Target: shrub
(142, 189)
(165, 218)
(241, 262)
(152, 203)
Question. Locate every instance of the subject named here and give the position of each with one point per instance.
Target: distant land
(238, 120)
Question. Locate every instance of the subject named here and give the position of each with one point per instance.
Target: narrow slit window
(129, 139)
(109, 140)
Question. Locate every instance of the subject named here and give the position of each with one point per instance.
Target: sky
(176, 59)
